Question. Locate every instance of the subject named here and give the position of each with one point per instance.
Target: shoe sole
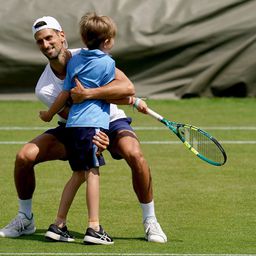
(29, 232)
(93, 240)
(156, 239)
(24, 232)
(55, 237)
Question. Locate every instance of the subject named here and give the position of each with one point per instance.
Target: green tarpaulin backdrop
(168, 48)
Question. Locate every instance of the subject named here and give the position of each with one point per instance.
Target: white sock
(148, 210)
(25, 207)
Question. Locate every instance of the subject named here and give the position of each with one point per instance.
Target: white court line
(12, 142)
(121, 254)
(235, 142)
(207, 128)
(245, 128)
(138, 128)
(19, 128)
(245, 142)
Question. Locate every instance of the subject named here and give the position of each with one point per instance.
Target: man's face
(50, 42)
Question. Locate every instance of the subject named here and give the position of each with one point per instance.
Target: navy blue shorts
(122, 124)
(81, 150)
(61, 133)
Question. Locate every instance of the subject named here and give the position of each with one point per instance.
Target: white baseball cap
(47, 22)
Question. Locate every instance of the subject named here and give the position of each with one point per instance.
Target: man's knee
(137, 155)
(25, 157)
(136, 160)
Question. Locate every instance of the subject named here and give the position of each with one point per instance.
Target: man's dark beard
(54, 57)
(51, 58)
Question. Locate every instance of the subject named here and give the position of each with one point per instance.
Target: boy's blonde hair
(95, 29)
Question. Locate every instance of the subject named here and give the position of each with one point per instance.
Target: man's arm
(138, 103)
(119, 88)
(120, 92)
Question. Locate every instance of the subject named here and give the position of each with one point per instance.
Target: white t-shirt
(49, 86)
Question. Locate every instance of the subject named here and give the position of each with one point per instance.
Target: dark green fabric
(168, 48)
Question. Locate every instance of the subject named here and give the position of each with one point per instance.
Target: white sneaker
(153, 231)
(21, 225)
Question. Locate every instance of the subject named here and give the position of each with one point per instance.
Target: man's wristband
(137, 102)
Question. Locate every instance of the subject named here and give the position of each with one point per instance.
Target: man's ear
(63, 37)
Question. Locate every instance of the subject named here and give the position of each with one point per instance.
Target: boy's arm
(119, 88)
(55, 107)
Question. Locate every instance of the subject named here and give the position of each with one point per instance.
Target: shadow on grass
(39, 236)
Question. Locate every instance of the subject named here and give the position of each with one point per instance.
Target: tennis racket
(196, 140)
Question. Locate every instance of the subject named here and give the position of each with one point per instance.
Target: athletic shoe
(21, 225)
(97, 237)
(153, 231)
(54, 233)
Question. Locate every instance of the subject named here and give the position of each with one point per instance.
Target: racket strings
(202, 144)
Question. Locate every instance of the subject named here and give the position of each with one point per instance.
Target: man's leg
(127, 145)
(43, 148)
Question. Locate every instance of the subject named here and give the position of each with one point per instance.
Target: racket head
(202, 144)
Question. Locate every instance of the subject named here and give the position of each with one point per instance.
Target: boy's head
(97, 32)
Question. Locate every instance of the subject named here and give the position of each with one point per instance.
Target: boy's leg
(58, 231)
(68, 195)
(95, 234)
(93, 197)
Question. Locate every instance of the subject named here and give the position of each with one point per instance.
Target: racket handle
(154, 114)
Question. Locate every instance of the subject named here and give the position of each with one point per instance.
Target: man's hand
(78, 93)
(142, 107)
(101, 140)
(44, 115)
(139, 104)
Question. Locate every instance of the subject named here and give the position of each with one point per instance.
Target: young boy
(94, 68)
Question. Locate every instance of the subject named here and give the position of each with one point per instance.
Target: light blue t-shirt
(93, 68)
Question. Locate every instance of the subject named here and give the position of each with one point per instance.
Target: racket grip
(154, 114)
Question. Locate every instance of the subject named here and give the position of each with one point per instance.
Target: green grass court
(203, 209)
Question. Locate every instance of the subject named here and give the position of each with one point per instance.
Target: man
(50, 145)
